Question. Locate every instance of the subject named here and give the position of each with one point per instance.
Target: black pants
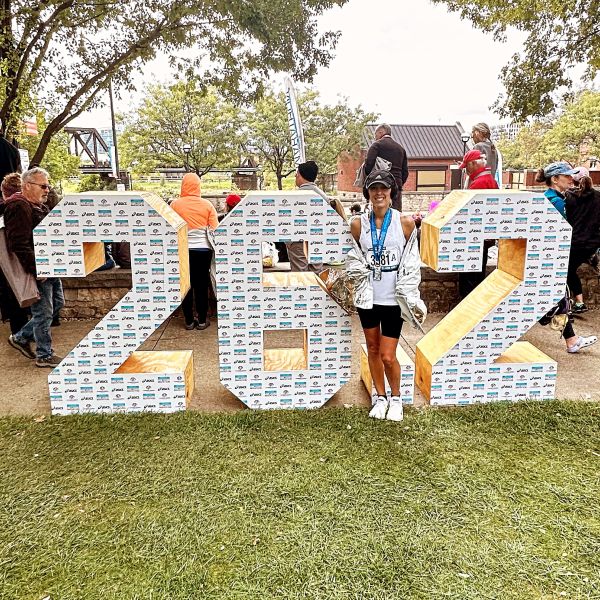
(578, 256)
(467, 282)
(200, 280)
(568, 331)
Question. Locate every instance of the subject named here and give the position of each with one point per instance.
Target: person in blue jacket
(558, 177)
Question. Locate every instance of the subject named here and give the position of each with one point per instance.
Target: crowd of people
(380, 230)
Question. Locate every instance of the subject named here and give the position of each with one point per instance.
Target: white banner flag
(294, 122)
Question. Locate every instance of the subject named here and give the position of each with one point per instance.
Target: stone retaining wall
(94, 295)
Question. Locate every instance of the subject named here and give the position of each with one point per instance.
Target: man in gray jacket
(306, 175)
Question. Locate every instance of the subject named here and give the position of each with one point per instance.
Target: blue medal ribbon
(379, 242)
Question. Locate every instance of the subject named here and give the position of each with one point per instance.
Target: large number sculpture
(473, 354)
(105, 373)
(252, 302)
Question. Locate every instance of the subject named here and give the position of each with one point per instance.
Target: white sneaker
(582, 342)
(380, 408)
(396, 411)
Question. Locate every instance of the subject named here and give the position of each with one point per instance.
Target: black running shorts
(388, 318)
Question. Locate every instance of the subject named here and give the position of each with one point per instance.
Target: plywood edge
(285, 359)
(430, 245)
(184, 262)
(512, 256)
(93, 256)
(458, 322)
(157, 361)
(290, 279)
(365, 372)
(449, 207)
(163, 209)
(423, 370)
(524, 352)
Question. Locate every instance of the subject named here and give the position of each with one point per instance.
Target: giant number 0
(472, 354)
(251, 302)
(104, 372)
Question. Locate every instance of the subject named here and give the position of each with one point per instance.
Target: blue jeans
(43, 311)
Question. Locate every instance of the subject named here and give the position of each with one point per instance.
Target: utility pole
(114, 131)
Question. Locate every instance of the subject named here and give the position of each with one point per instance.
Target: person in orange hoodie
(200, 215)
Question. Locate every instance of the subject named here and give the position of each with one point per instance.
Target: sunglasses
(44, 186)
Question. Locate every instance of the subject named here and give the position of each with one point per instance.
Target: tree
(269, 136)
(172, 117)
(572, 136)
(65, 52)
(57, 160)
(527, 150)
(332, 129)
(328, 131)
(576, 133)
(560, 36)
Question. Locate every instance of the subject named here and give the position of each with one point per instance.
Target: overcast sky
(412, 62)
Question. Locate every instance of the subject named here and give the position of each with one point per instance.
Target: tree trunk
(279, 180)
(40, 151)
(6, 48)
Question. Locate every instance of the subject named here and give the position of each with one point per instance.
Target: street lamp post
(116, 168)
(186, 150)
(465, 137)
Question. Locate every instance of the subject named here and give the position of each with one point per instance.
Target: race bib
(389, 261)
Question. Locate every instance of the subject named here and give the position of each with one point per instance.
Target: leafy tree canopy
(328, 131)
(573, 136)
(560, 36)
(64, 52)
(173, 117)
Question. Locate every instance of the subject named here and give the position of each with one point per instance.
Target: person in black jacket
(9, 306)
(582, 207)
(10, 159)
(23, 212)
(385, 147)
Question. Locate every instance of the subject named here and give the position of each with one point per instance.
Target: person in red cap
(232, 201)
(480, 176)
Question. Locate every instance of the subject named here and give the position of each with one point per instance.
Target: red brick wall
(347, 166)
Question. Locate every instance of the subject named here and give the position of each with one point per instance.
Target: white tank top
(384, 291)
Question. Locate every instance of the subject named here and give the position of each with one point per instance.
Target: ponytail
(540, 177)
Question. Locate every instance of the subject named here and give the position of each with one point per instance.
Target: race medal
(377, 273)
(378, 242)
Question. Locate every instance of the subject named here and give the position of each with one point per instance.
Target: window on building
(431, 181)
(518, 180)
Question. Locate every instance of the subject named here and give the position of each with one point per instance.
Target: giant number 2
(472, 354)
(105, 373)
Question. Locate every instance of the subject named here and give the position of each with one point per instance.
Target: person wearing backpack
(582, 209)
(388, 149)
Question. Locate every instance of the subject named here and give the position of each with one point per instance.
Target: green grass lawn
(494, 502)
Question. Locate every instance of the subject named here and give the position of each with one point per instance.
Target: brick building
(431, 149)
